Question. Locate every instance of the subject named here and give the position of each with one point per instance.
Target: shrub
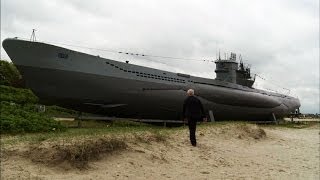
(9, 75)
(17, 95)
(17, 118)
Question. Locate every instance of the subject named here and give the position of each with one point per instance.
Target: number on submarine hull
(63, 55)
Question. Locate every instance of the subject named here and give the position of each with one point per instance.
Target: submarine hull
(89, 83)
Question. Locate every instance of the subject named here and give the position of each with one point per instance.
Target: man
(192, 112)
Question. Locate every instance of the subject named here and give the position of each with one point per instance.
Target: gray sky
(279, 38)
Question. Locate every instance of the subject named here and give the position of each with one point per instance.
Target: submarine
(89, 83)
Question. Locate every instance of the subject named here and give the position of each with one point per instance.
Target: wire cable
(126, 53)
(142, 56)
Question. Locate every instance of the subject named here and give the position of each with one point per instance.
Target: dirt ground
(223, 152)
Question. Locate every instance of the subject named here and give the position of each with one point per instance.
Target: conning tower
(230, 70)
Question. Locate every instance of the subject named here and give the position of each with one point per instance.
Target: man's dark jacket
(192, 108)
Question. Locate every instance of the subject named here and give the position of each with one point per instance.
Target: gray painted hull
(93, 84)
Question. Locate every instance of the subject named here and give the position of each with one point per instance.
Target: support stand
(211, 116)
(274, 119)
(79, 119)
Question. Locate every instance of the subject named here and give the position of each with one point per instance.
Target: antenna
(216, 50)
(240, 58)
(33, 35)
(219, 55)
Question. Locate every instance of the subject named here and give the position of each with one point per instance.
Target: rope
(286, 89)
(126, 53)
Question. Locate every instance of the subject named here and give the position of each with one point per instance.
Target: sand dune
(224, 152)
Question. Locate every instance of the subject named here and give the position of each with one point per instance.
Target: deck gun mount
(230, 70)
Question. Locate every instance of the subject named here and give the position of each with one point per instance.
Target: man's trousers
(192, 123)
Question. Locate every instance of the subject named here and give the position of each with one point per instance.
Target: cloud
(280, 39)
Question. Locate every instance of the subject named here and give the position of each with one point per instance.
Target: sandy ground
(222, 153)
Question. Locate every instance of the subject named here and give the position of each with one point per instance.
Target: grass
(101, 128)
(96, 129)
(79, 146)
(77, 154)
(282, 124)
(294, 125)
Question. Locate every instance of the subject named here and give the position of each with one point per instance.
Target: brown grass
(253, 131)
(154, 136)
(237, 130)
(77, 154)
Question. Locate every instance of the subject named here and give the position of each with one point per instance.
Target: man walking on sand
(192, 112)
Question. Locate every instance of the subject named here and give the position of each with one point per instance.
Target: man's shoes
(194, 144)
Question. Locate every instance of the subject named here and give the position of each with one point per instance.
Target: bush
(17, 95)
(17, 118)
(9, 75)
(19, 113)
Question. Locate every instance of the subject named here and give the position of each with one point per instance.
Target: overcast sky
(278, 38)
